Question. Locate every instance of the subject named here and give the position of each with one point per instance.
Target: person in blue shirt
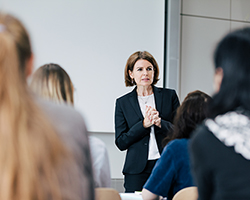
(172, 171)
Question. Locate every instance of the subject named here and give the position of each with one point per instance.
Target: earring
(132, 81)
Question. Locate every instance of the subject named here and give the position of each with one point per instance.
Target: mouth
(145, 79)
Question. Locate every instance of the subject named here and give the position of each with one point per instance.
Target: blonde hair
(52, 82)
(31, 152)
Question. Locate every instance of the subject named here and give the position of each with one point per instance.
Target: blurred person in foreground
(39, 157)
(220, 148)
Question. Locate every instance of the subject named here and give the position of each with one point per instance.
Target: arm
(166, 125)
(100, 162)
(162, 177)
(124, 135)
(147, 195)
(175, 105)
(169, 111)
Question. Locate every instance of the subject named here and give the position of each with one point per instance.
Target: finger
(154, 114)
(151, 112)
(148, 109)
(156, 122)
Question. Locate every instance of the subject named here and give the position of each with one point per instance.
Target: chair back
(188, 193)
(107, 194)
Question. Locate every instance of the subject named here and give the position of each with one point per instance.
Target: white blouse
(153, 152)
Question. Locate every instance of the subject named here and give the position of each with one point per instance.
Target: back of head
(232, 55)
(192, 111)
(30, 149)
(52, 82)
(20, 38)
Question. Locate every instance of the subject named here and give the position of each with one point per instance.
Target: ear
(218, 76)
(130, 74)
(29, 66)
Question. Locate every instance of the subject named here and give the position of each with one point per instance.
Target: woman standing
(143, 118)
(220, 149)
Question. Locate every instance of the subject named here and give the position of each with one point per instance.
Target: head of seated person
(193, 110)
(52, 82)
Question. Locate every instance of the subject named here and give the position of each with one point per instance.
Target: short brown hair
(131, 63)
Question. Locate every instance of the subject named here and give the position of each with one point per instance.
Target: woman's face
(143, 73)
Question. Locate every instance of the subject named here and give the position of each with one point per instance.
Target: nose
(145, 72)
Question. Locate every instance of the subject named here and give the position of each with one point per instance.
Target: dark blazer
(130, 134)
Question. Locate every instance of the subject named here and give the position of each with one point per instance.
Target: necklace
(145, 99)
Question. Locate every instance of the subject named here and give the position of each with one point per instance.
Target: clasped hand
(151, 117)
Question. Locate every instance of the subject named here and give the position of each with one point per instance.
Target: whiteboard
(92, 40)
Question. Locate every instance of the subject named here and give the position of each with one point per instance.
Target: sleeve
(175, 104)
(163, 173)
(167, 125)
(100, 161)
(199, 166)
(124, 135)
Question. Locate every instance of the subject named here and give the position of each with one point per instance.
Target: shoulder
(178, 142)
(164, 90)
(201, 138)
(200, 133)
(68, 122)
(166, 93)
(127, 95)
(175, 146)
(178, 145)
(61, 112)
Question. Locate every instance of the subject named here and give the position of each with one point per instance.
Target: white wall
(92, 40)
(204, 23)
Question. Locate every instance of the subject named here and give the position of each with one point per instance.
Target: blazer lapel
(158, 98)
(135, 104)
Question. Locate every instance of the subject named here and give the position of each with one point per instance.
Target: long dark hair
(193, 110)
(233, 56)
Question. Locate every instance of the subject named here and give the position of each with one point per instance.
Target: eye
(139, 69)
(149, 68)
